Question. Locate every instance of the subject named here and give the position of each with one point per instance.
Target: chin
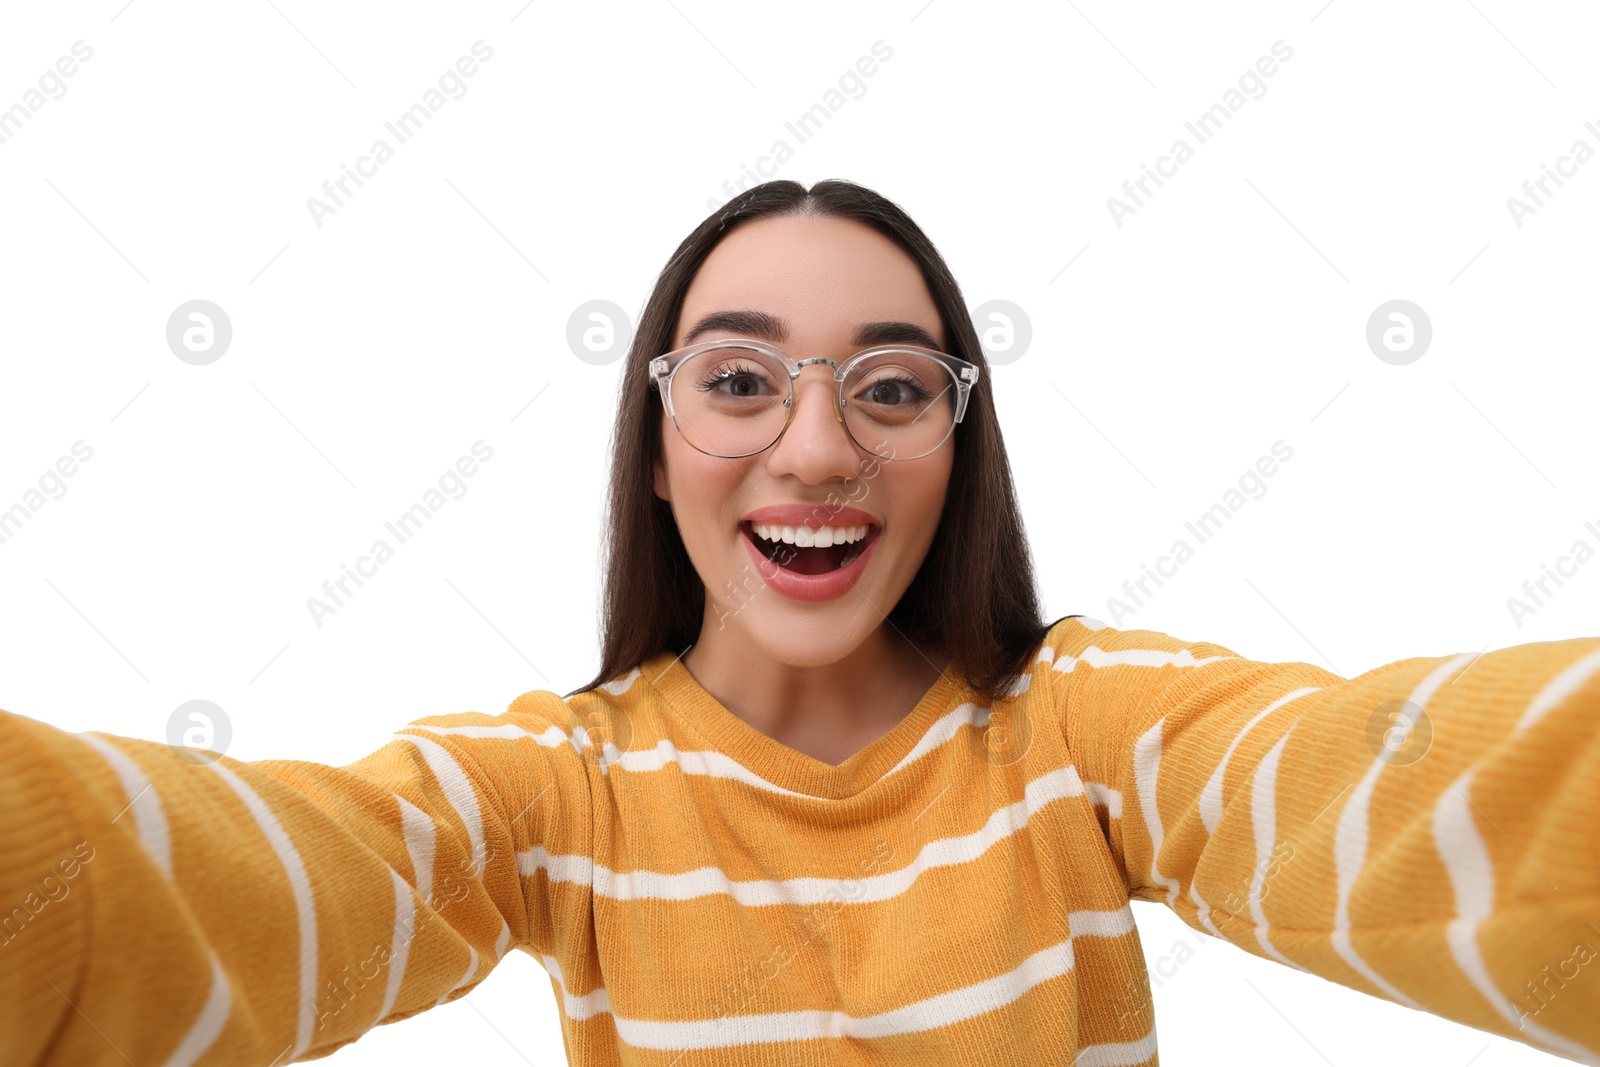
(800, 642)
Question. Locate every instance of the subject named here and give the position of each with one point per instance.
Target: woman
(837, 793)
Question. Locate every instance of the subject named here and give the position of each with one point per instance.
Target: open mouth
(797, 549)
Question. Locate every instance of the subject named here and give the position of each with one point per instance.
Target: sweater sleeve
(166, 906)
(1424, 832)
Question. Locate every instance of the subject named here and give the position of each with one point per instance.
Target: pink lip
(810, 588)
(815, 516)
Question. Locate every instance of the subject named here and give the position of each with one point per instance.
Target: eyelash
(910, 383)
(729, 373)
(725, 374)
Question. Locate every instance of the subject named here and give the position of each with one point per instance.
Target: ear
(661, 480)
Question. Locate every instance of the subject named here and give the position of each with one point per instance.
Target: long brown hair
(973, 598)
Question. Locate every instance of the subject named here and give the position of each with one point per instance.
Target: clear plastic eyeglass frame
(963, 375)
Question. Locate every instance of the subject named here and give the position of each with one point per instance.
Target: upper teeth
(806, 537)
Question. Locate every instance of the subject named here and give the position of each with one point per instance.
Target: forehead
(821, 276)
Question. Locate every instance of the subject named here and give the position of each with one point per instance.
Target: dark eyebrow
(894, 333)
(766, 327)
(757, 324)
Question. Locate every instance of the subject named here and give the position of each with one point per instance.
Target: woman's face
(821, 281)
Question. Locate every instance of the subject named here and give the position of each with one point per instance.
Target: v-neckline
(775, 761)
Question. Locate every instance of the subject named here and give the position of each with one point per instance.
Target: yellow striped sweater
(956, 892)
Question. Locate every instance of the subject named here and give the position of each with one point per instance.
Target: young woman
(837, 793)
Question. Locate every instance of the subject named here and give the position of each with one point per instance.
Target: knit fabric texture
(956, 892)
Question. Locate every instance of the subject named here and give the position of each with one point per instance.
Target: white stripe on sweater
(1572, 678)
(707, 762)
(1101, 923)
(550, 737)
(931, 1013)
(577, 1008)
(1146, 774)
(1350, 840)
(941, 852)
(1095, 656)
(566, 868)
(1264, 817)
(472, 969)
(421, 843)
(149, 816)
(304, 904)
(1203, 910)
(405, 921)
(1471, 868)
(925, 1015)
(706, 881)
(205, 1030)
(1119, 1054)
(947, 727)
(1106, 797)
(714, 764)
(149, 819)
(1211, 795)
(618, 686)
(457, 789)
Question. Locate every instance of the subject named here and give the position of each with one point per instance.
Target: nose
(815, 446)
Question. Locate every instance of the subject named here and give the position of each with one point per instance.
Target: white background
(369, 353)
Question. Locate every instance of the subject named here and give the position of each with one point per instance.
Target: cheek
(922, 494)
(700, 488)
(918, 503)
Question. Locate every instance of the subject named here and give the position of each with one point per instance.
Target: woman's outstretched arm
(1424, 832)
(158, 910)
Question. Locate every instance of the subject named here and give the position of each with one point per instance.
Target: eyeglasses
(734, 397)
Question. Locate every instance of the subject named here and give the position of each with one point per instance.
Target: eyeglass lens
(730, 402)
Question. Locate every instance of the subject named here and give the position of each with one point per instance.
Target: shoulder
(1100, 674)
(541, 707)
(1077, 641)
(615, 708)
(1067, 632)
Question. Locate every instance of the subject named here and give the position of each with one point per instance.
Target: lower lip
(810, 587)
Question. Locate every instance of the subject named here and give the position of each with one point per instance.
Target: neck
(828, 711)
